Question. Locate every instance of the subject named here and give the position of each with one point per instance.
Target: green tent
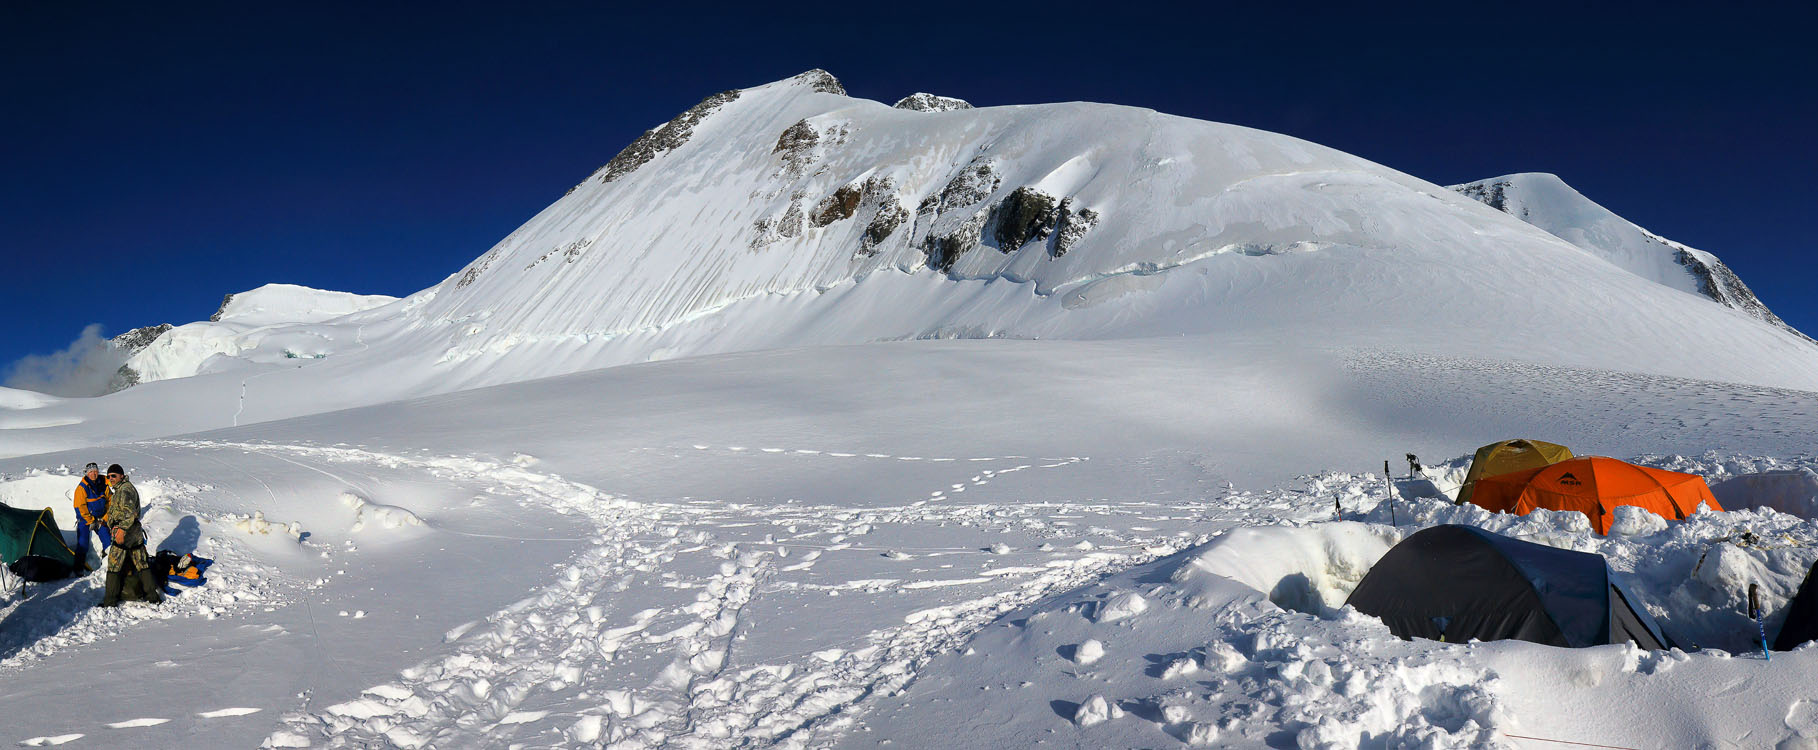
(31, 546)
(1510, 456)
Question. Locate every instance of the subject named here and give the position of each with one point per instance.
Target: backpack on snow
(183, 570)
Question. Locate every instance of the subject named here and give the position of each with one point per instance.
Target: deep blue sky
(159, 155)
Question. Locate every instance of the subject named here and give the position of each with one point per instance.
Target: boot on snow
(110, 597)
(149, 585)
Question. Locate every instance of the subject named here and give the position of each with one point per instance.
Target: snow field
(677, 554)
(278, 575)
(538, 649)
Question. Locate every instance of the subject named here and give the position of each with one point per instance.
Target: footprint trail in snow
(640, 641)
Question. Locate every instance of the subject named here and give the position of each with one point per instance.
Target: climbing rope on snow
(1567, 742)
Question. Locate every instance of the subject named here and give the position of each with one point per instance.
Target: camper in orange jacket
(91, 507)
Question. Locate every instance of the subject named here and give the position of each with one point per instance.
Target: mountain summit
(1548, 202)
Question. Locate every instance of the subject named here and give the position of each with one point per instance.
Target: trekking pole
(1391, 484)
(1755, 612)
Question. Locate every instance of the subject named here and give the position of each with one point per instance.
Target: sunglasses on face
(113, 476)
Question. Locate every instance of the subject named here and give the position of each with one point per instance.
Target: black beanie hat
(115, 469)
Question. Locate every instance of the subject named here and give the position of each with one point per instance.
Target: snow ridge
(1548, 202)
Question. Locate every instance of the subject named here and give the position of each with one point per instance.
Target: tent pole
(1388, 480)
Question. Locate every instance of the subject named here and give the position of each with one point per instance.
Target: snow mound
(14, 398)
(377, 515)
(42, 490)
(258, 525)
(1792, 491)
(1310, 569)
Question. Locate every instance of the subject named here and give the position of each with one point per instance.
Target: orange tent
(1594, 486)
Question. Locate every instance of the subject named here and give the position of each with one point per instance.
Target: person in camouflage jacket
(127, 556)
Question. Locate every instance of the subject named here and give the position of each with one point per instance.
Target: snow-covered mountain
(791, 215)
(271, 323)
(1548, 202)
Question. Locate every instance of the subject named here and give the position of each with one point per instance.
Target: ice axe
(1755, 612)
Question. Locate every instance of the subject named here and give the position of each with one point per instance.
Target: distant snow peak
(924, 102)
(1547, 202)
(292, 321)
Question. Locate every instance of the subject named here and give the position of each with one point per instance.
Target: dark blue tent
(1801, 615)
(1456, 583)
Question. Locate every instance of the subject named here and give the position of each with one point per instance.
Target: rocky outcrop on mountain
(821, 81)
(665, 137)
(973, 184)
(890, 214)
(1027, 214)
(134, 341)
(1492, 194)
(1074, 224)
(923, 102)
(216, 318)
(796, 142)
(124, 378)
(840, 205)
(802, 143)
(137, 339)
(875, 197)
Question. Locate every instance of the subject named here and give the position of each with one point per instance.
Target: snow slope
(1548, 202)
